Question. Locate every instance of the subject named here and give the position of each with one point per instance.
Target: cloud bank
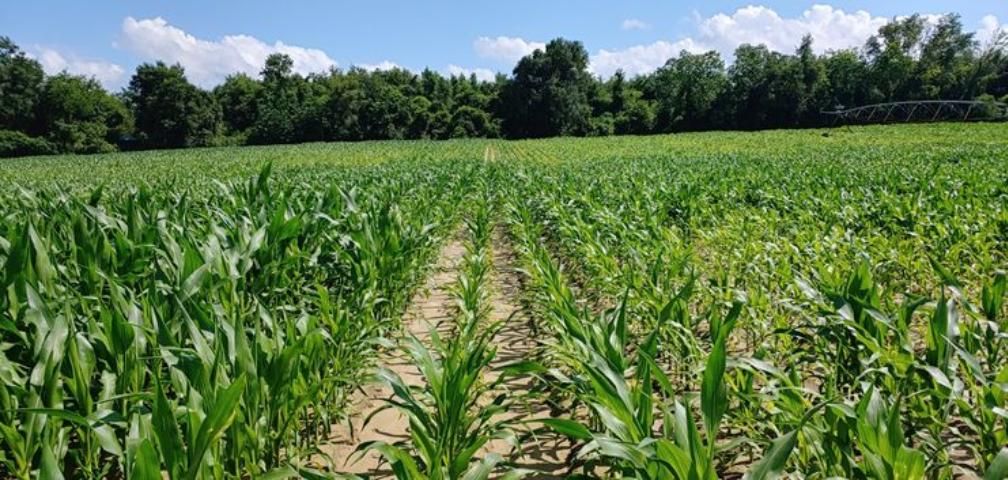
(110, 75)
(208, 62)
(832, 28)
(505, 49)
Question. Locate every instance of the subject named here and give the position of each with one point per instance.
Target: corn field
(798, 304)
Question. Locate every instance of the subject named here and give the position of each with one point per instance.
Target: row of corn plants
(857, 382)
(628, 418)
(212, 332)
(457, 410)
(715, 305)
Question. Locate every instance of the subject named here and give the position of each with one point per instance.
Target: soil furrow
(431, 307)
(516, 341)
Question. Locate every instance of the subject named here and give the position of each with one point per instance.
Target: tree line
(550, 92)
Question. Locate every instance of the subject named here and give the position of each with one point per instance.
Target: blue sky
(107, 39)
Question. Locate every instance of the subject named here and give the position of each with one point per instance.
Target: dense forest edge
(549, 93)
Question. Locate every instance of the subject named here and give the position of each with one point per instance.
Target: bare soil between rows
(433, 307)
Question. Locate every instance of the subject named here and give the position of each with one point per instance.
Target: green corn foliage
(871, 263)
(855, 281)
(211, 331)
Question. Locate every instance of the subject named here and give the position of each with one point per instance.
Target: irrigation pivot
(920, 111)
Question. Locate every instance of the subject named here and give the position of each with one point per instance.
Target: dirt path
(433, 306)
(516, 341)
(430, 307)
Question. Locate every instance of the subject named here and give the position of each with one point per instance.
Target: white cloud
(990, 28)
(506, 49)
(382, 65)
(640, 59)
(208, 62)
(482, 74)
(831, 28)
(635, 24)
(109, 74)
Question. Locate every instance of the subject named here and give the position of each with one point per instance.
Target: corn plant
(456, 411)
(871, 263)
(212, 333)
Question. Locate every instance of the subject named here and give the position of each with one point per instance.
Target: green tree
(281, 103)
(384, 112)
(19, 144)
(891, 57)
(472, 122)
(685, 90)
(548, 94)
(847, 78)
(947, 59)
(989, 73)
(237, 98)
(632, 113)
(441, 123)
(340, 114)
(765, 89)
(637, 117)
(750, 80)
(169, 111)
(813, 95)
(436, 88)
(78, 115)
(20, 86)
(421, 112)
(468, 91)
